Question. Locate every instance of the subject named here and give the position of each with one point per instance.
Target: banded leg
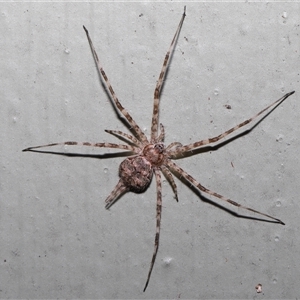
(121, 109)
(154, 124)
(101, 145)
(119, 189)
(129, 137)
(158, 219)
(192, 146)
(173, 149)
(192, 180)
(170, 178)
(161, 136)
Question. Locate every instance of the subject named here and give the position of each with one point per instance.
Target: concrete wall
(57, 239)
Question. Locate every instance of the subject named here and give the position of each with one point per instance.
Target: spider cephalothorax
(154, 153)
(152, 157)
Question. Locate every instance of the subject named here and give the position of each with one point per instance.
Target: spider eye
(160, 147)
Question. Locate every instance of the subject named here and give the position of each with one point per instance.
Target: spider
(151, 156)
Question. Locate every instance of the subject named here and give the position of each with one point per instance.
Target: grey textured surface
(57, 240)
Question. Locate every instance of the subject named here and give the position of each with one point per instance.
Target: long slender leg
(173, 149)
(161, 136)
(158, 219)
(101, 145)
(119, 189)
(170, 178)
(121, 109)
(125, 135)
(192, 146)
(154, 124)
(192, 180)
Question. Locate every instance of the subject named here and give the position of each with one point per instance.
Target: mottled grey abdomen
(136, 173)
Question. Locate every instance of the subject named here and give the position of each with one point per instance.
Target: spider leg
(189, 147)
(158, 219)
(121, 109)
(192, 180)
(173, 149)
(154, 123)
(170, 178)
(119, 189)
(101, 145)
(129, 137)
(161, 136)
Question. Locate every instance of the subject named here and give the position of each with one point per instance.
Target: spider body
(136, 172)
(148, 157)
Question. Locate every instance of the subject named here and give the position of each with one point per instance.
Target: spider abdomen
(136, 173)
